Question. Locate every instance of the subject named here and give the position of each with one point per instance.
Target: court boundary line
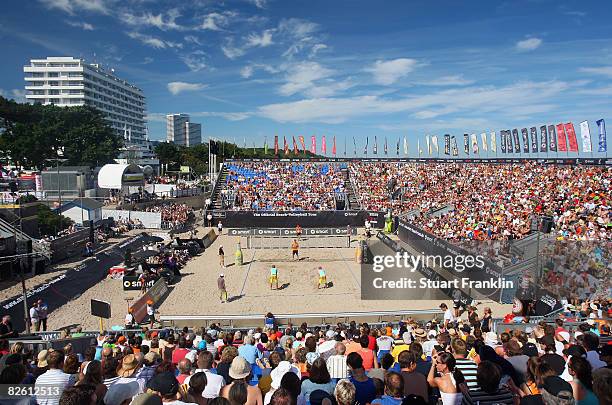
(246, 276)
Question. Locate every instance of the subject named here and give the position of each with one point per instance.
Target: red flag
(313, 144)
(334, 146)
(285, 145)
(571, 137)
(276, 144)
(302, 143)
(323, 145)
(295, 148)
(561, 139)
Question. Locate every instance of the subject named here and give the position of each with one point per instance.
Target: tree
(49, 221)
(31, 134)
(168, 154)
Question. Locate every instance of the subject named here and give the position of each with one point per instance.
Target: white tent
(116, 176)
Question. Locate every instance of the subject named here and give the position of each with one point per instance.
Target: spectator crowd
(457, 360)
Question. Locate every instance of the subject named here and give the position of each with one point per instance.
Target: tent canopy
(116, 176)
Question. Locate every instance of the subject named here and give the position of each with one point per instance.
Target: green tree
(49, 221)
(168, 154)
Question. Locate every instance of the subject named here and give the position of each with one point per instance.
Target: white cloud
(453, 80)
(262, 40)
(147, 60)
(301, 76)
(230, 116)
(528, 44)
(601, 70)
(315, 49)
(246, 72)
(328, 88)
(514, 100)
(163, 21)
(179, 87)
(217, 21)
(259, 3)
(72, 6)
(193, 39)
(195, 61)
(81, 24)
(297, 28)
(231, 51)
(153, 41)
(389, 71)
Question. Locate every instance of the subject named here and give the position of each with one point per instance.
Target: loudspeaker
(39, 266)
(5, 272)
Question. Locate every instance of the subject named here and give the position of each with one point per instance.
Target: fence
(306, 219)
(68, 245)
(150, 220)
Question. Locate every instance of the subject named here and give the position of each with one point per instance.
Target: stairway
(22, 236)
(216, 194)
(350, 191)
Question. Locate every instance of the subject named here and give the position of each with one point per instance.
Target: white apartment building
(68, 81)
(181, 131)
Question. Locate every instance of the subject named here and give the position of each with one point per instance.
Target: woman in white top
(449, 380)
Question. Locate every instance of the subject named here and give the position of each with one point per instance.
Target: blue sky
(251, 69)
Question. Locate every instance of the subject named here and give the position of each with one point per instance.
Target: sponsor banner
(534, 140)
(424, 242)
(132, 283)
(509, 147)
(493, 142)
(552, 138)
(306, 219)
(525, 136)
(291, 232)
(517, 142)
(466, 144)
(455, 147)
(602, 146)
(585, 134)
(494, 160)
(155, 293)
(447, 144)
(561, 138)
(571, 137)
(543, 139)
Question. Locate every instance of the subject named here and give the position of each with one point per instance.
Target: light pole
(59, 152)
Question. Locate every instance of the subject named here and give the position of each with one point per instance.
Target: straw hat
(128, 366)
(240, 368)
(42, 359)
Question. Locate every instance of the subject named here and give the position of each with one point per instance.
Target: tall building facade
(181, 131)
(68, 81)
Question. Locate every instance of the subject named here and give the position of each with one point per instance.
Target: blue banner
(603, 147)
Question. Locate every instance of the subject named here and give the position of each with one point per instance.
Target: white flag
(585, 134)
(419, 147)
(483, 138)
(428, 145)
(405, 146)
(493, 142)
(474, 144)
(434, 141)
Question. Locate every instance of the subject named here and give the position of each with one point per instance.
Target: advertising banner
(306, 219)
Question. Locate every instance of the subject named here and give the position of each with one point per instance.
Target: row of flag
(552, 138)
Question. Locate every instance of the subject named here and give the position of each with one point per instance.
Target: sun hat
(42, 359)
(151, 357)
(240, 368)
(128, 366)
(420, 333)
(283, 368)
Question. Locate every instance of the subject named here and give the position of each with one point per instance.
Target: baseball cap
(221, 275)
(530, 349)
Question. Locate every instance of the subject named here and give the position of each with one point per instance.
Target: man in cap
(222, 288)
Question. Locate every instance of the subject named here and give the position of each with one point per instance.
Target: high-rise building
(68, 81)
(181, 131)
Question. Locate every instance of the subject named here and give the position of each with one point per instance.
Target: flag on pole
(302, 143)
(525, 136)
(474, 140)
(434, 142)
(602, 145)
(254, 148)
(534, 139)
(405, 146)
(447, 144)
(276, 144)
(295, 146)
(419, 147)
(313, 144)
(385, 145)
(517, 142)
(543, 139)
(585, 134)
(285, 145)
(334, 147)
(503, 138)
(552, 138)
(483, 140)
(561, 138)
(265, 145)
(354, 147)
(571, 137)
(493, 142)
(323, 145)
(365, 151)
(397, 147)
(466, 143)
(455, 147)
(375, 150)
(428, 143)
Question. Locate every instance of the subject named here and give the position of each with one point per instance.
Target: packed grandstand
(482, 201)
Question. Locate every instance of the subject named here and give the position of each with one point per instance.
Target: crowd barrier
(150, 220)
(312, 319)
(209, 238)
(290, 219)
